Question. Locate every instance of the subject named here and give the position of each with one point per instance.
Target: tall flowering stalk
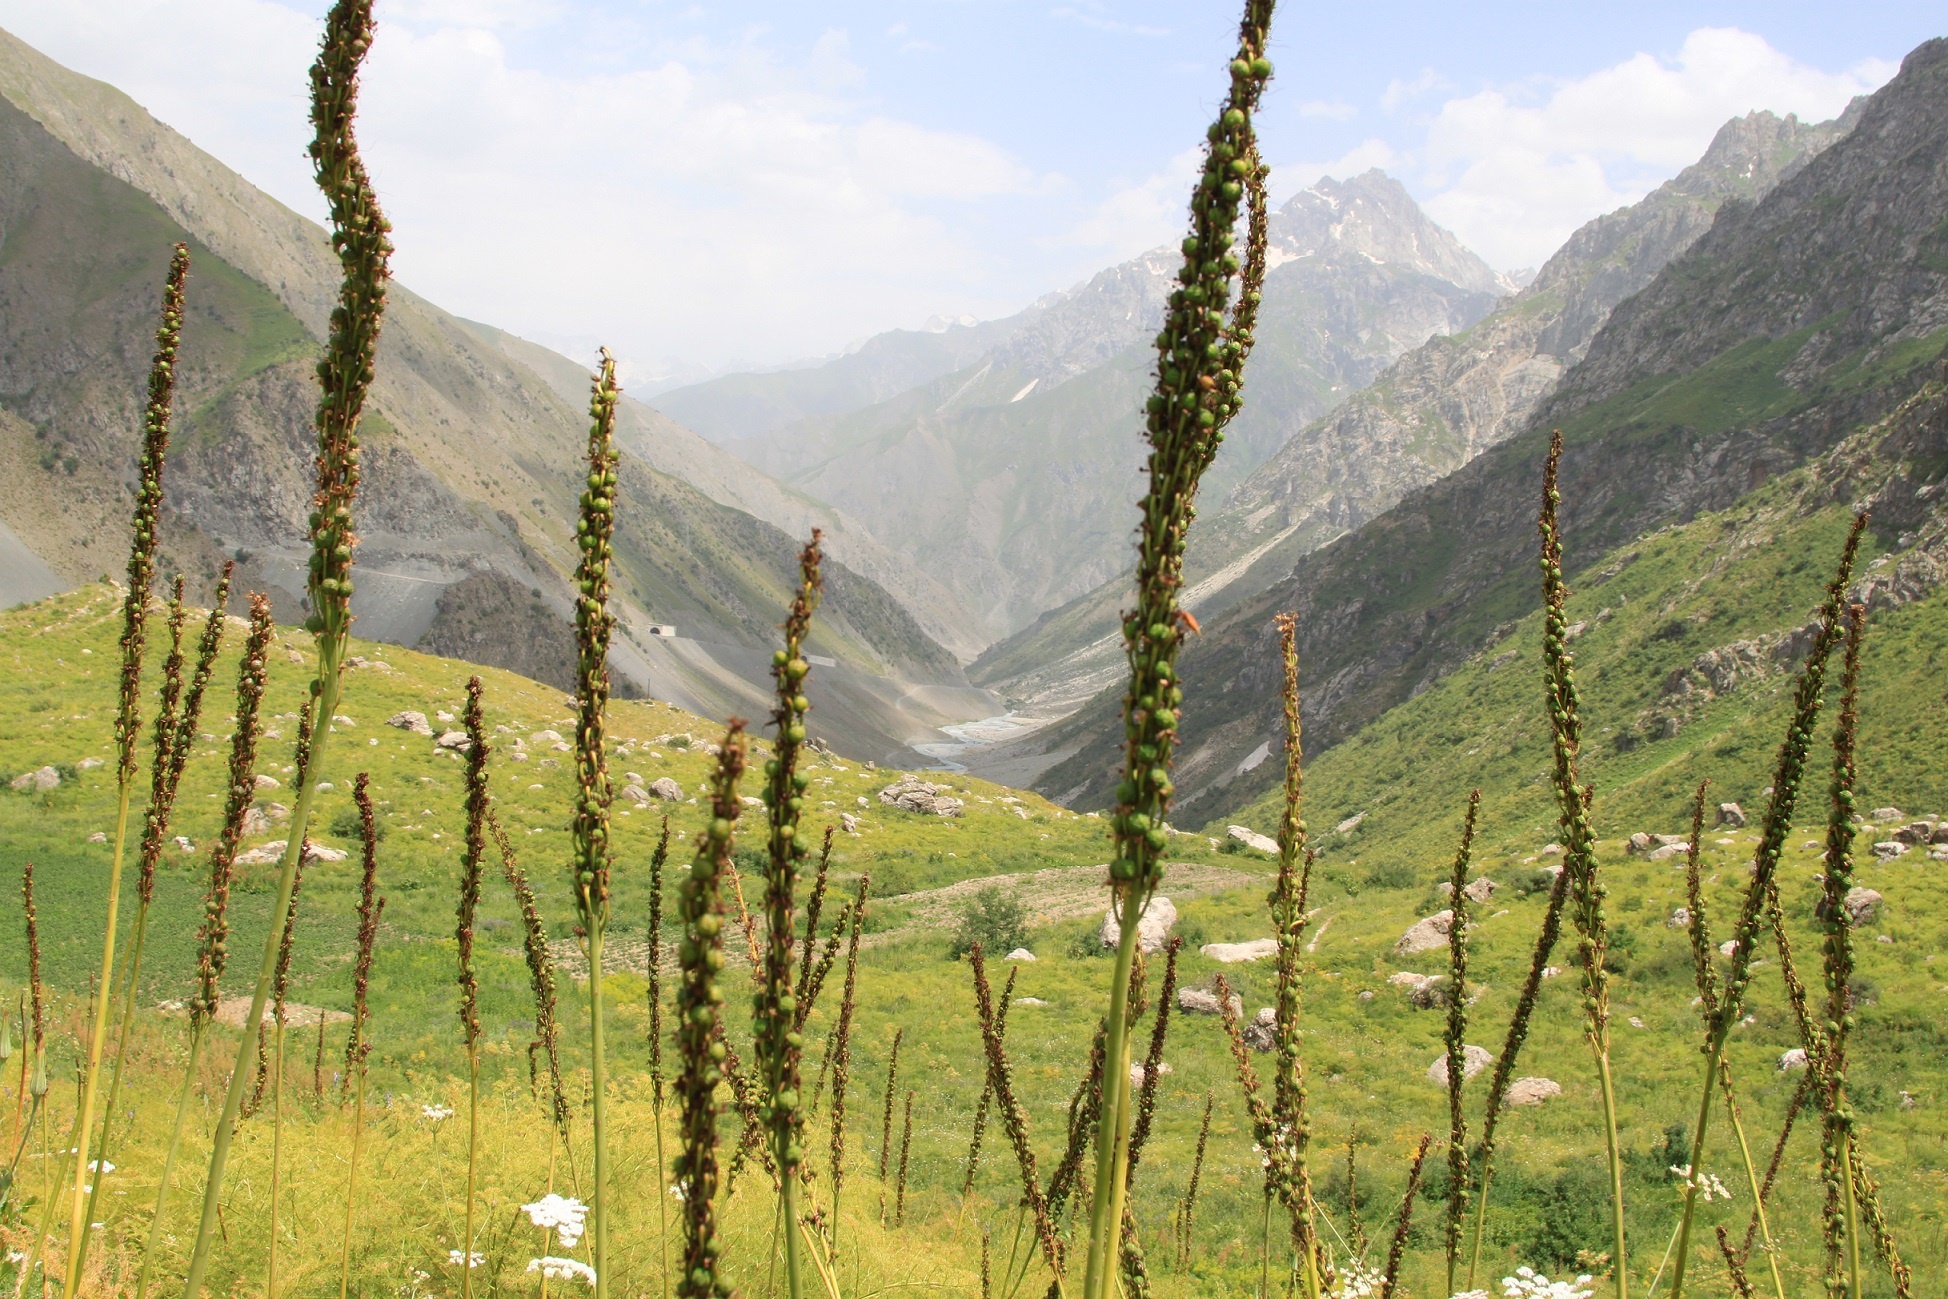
(1200, 359)
(214, 936)
(987, 1091)
(146, 537)
(589, 881)
(1585, 891)
(178, 714)
(699, 1043)
(780, 1044)
(1457, 1031)
(1014, 1119)
(886, 1118)
(359, 235)
(479, 808)
(1187, 1215)
(1788, 772)
(280, 989)
(842, 1054)
(1288, 908)
(654, 969)
(546, 1046)
(358, 1046)
(1405, 1221)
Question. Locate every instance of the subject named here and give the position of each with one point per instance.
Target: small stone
(1532, 1091)
(1030, 1001)
(1635, 1022)
(1882, 938)
(1883, 815)
(1889, 849)
(1367, 995)
(1234, 953)
(98, 837)
(1727, 947)
(1250, 838)
(1862, 904)
(266, 782)
(1667, 851)
(411, 721)
(1479, 890)
(1136, 1071)
(183, 843)
(1197, 1001)
(455, 740)
(87, 764)
(1350, 824)
(1473, 1060)
(635, 794)
(1793, 1059)
(1680, 919)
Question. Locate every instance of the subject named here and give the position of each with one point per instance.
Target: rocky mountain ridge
(1790, 323)
(1010, 479)
(1432, 411)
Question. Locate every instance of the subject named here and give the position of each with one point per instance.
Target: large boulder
(1793, 1059)
(1731, 814)
(1916, 832)
(1530, 1091)
(1198, 1001)
(1426, 935)
(1250, 838)
(1889, 849)
(455, 740)
(1473, 1060)
(666, 789)
(1680, 918)
(1234, 953)
(911, 794)
(1863, 904)
(411, 721)
(39, 781)
(1477, 890)
(1152, 927)
(635, 794)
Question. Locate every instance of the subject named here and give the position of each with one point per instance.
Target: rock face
(39, 781)
(911, 794)
(411, 721)
(1250, 838)
(1152, 927)
(1233, 953)
(1527, 1091)
(1473, 1060)
(1426, 935)
(1198, 1001)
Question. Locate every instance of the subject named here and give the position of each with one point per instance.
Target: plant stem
(1752, 1177)
(351, 1187)
(473, 1159)
(1106, 1203)
(277, 1148)
(598, 1116)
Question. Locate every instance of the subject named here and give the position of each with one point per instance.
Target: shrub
(345, 825)
(1392, 875)
(993, 918)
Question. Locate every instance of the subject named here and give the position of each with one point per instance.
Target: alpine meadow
(1481, 834)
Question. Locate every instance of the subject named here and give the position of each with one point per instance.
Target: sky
(713, 186)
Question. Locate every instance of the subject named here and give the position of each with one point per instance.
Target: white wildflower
(1357, 1282)
(100, 1166)
(476, 1259)
(562, 1269)
(437, 1113)
(676, 1189)
(559, 1214)
(1527, 1283)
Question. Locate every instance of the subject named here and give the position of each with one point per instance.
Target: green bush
(993, 918)
(345, 824)
(1392, 875)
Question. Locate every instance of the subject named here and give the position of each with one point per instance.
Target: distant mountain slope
(1785, 327)
(739, 407)
(1432, 411)
(472, 459)
(1011, 479)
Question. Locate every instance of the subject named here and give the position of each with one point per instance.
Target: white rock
(1532, 1091)
(1473, 1060)
(849, 823)
(87, 764)
(37, 782)
(1261, 1034)
(1727, 947)
(1862, 904)
(98, 837)
(635, 794)
(748, 801)
(411, 721)
(1152, 927)
(1366, 995)
(1426, 935)
(1793, 1059)
(1680, 919)
(455, 740)
(1250, 838)
(1886, 814)
(1350, 824)
(1030, 1001)
(1197, 1001)
(1020, 954)
(1136, 1071)
(1731, 814)
(546, 737)
(911, 794)
(266, 782)
(1889, 849)
(1234, 953)
(666, 789)
(184, 844)
(1668, 851)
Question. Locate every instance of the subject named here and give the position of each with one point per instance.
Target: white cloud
(1290, 177)
(723, 201)
(1400, 92)
(1142, 215)
(1516, 169)
(1332, 110)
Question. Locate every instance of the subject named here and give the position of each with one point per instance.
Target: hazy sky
(716, 183)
